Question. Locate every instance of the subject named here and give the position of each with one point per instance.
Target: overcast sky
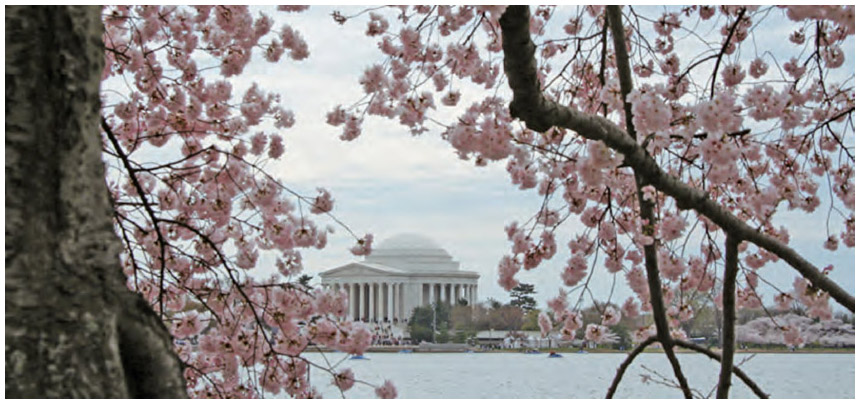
(387, 181)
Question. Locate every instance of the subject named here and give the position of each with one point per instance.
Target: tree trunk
(73, 329)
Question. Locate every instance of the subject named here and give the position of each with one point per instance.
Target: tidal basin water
(518, 375)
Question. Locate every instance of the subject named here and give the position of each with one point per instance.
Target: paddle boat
(359, 357)
(552, 354)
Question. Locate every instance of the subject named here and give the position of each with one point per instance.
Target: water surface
(516, 375)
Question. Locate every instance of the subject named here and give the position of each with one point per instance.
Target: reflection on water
(513, 375)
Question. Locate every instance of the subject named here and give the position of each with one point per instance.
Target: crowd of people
(387, 333)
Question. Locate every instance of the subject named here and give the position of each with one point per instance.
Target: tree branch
(731, 272)
(627, 362)
(646, 207)
(736, 370)
(540, 114)
(723, 50)
(142, 194)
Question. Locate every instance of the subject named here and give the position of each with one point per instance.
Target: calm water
(516, 375)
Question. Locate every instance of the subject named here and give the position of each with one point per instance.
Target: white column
(471, 295)
(400, 303)
(376, 293)
(396, 296)
(370, 302)
(474, 294)
(379, 307)
(401, 309)
(396, 306)
(390, 309)
(382, 309)
(360, 301)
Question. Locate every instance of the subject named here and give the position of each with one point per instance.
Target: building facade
(403, 272)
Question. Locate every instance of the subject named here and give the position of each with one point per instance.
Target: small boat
(359, 357)
(531, 351)
(555, 355)
(405, 351)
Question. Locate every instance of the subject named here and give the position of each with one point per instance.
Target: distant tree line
(459, 322)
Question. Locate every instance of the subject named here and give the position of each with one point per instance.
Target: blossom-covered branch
(540, 114)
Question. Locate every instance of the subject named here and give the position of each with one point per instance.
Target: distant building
(401, 273)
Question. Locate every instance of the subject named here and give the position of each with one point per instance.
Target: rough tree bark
(73, 329)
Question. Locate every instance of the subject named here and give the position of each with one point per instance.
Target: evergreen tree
(521, 297)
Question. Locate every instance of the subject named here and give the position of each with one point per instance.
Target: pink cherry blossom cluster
(757, 140)
(197, 223)
(599, 334)
(749, 178)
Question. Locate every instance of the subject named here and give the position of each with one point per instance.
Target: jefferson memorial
(403, 272)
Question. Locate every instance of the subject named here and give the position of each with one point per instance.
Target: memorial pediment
(360, 269)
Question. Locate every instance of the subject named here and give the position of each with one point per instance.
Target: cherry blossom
(344, 380)
(544, 323)
(756, 132)
(386, 391)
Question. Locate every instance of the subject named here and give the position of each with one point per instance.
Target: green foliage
(421, 323)
(442, 335)
(530, 321)
(461, 336)
(419, 332)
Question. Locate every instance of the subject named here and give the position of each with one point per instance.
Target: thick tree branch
(729, 282)
(541, 114)
(622, 62)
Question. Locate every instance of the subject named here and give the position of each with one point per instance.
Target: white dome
(412, 252)
(408, 241)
